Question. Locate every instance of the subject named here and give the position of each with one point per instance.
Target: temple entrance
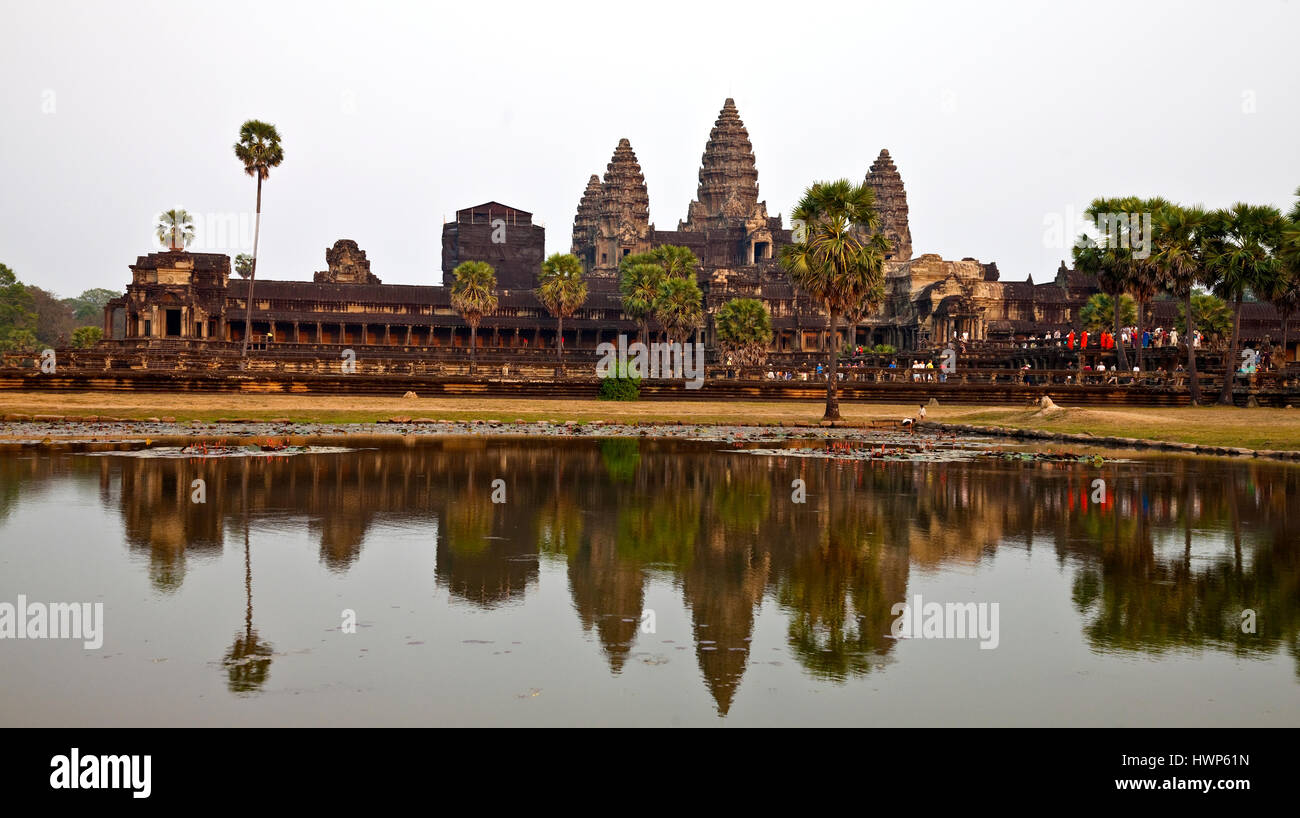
(172, 327)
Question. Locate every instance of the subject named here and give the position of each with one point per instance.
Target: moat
(628, 581)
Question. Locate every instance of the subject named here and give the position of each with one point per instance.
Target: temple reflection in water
(1167, 561)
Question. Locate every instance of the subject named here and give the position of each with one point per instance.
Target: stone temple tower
(891, 203)
(616, 218)
(728, 191)
(586, 223)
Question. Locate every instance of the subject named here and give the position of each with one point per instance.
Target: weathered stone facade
(347, 265)
(503, 236)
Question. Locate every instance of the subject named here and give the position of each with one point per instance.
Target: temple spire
(587, 219)
(728, 188)
(891, 203)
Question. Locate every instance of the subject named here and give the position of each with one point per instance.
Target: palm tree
(1179, 261)
(1145, 282)
(562, 291)
(175, 229)
(680, 308)
(1110, 259)
(474, 296)
(1290, 254)
(260, 150)
(640, 284)
(839, 262)
(1282, 290)
(1098, 313)
(744, 329)
(677, 262)
(1241, 256)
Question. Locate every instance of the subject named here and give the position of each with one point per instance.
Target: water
(634, 582)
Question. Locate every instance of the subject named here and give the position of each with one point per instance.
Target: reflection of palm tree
(248, 661)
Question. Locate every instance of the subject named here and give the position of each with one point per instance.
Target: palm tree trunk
(473, 346)
(559, 344)
(1286, 319)
(252, 272)
(1225, 396)
(1194, 384)
(1137, 342)
(1121, 355)
(832, 385)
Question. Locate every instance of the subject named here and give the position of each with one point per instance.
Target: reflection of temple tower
(480, 550)
(159, 515)
(724, 586)
(608, 594)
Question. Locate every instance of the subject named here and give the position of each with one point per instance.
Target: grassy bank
(1216, 426)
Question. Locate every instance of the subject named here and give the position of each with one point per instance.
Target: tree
(640, 284)
(86, 337)
(1098, 313)
(1110, 257)
(243, 265)
(562, 291)
(1209, 314)
(1179, 262)
(175, 229)
(1282, 290)
(89, 306)
(16, 303)
(19, 340)
(259, 150)
(474, 295)
(1241, 256)
(1290, 255)
(744, 330)
(680, 308)
(838, 261)
(642, 287)
(54, 320)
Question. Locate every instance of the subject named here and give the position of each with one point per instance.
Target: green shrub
(620, 386)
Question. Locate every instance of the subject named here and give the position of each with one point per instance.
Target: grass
(1216, 426)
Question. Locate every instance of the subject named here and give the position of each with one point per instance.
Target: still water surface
(635, 582)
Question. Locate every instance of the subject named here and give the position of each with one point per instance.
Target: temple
(929, 301)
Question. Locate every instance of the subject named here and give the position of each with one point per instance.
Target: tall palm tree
(1110, 259)
(1290, 255)
(1241, 257)
(744, 329)
(640, 284)
(1179, 261)
(1145, 281)
(260, 150)
(840, 260)
(562, 291)
(175, 229)
(474, 296)
(680, 308)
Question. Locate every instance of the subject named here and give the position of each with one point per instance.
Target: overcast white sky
(1000, 116)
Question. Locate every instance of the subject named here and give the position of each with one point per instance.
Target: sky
(1005, 119)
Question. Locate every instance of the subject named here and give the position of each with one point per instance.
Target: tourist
(922, 412)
